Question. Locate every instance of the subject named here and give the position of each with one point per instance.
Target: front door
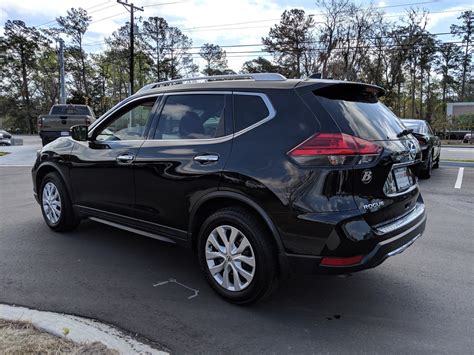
(184, 158)
(102, 168)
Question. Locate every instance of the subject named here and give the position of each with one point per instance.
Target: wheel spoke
(223, 236)
(237, 284)
(225, 278)
(212, 239)
(246, 275)
(217, 268)
(234, 232)
(245, 259)
(211, 255)
(244, 243)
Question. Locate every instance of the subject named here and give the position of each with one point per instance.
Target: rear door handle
(126, 158)
(206, 158)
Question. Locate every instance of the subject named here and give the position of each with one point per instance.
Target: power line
(262, 45)
(89, 8)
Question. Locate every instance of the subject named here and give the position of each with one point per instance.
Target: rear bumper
(50, 135)
(391, 239)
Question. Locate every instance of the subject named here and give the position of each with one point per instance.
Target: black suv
(259, 174)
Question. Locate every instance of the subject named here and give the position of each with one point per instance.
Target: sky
(222, 22)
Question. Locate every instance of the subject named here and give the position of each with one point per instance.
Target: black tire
(68, 220)
(266, 268)
(436, 163)
(425, 172)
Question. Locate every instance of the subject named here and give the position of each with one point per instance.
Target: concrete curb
(81, 330)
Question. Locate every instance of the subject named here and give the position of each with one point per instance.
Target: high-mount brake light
(335, 149)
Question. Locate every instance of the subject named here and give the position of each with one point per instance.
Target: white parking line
(458, 183)
(15, 166)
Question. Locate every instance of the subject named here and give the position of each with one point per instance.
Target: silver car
(468, 138)
(5, 138)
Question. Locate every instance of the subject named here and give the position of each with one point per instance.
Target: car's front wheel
(237, 256)
(56, 205)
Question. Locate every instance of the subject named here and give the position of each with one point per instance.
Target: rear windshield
(417, 127)
(70, 110)
(358, 111)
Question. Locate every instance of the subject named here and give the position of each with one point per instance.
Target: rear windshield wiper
(405, 132)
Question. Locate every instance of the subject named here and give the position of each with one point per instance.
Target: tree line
(345, 41)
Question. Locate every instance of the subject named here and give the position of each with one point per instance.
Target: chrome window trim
(199, 141)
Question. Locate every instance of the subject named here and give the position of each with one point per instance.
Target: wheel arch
(221, 199)
(47, 168)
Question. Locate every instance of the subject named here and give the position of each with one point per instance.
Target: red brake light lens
(421, 140)
(335, 149)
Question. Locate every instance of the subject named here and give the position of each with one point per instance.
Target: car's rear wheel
(436, 163)
(56, 205)
(425, 173)
(237, 256)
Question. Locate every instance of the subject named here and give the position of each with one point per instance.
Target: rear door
(384, 186)
(183, 158)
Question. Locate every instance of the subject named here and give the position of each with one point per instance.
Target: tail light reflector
(335, 149)
(353, 260)
(40, 122)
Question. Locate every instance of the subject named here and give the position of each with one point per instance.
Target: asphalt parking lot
(419, 301)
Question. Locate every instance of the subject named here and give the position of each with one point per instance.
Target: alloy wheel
(51, 202)
(230, 258)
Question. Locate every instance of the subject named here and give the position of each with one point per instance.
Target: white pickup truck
(61, 118)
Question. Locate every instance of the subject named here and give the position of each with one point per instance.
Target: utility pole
(131, 8)
(62, 91)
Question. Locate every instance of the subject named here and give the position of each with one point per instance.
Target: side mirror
(79, 133)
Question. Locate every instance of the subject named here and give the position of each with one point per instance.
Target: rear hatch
(383, 184)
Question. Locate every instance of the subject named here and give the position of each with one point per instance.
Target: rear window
(417, 127)
(248, 110)
(70, 110)
(356, 108)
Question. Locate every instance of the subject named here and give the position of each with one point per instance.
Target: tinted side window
(430, 130)
(248, 109)
(192, 116)
(129, 124)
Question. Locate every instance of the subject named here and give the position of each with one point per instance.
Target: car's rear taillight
(40, 122)
(421, 140)
(335, 149)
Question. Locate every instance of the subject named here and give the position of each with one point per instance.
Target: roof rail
(254, 76)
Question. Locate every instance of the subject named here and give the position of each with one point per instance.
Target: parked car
(5, 137)
(468, 138)
(61, 118)
(262, 176)
(430, 146)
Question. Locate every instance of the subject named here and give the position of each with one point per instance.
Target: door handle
(206, 158)
(125, 158)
